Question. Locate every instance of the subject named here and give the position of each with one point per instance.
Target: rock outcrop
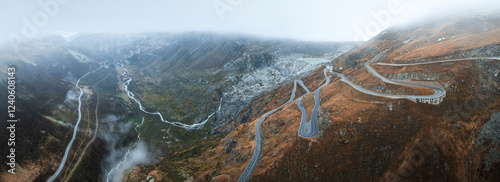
(490, 135)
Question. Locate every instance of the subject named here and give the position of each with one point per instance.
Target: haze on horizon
(319, 20)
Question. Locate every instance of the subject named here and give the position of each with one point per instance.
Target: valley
(414, 103)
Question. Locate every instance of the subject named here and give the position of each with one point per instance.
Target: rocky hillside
(206, 67)
(362, 137)
(369, 138)
(183, 76)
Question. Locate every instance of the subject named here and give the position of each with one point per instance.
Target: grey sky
(324, 20)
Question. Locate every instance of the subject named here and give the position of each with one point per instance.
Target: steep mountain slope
(183, 76)
(460, 37)
(363, 136)
(46, 70)
(370, 138)
(182, 68)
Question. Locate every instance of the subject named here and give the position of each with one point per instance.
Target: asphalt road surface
(310, 129)
(258, 140)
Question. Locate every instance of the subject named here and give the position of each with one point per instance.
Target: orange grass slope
(369, 138)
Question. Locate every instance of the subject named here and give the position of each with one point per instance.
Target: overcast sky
(318, 20)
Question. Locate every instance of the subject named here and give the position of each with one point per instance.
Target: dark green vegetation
(183, 76)
(41, 86)
(177, 160)
(183, 99)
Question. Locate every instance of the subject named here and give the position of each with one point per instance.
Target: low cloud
(70, 96)
(70, 77)
(123, 154)
(138, 155)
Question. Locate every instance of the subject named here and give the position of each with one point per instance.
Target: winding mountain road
(436, 98)
(438, 92)
(94, 133)
(258, 140)
(75, 130)
(302, 110)
(443, 61)
(306, 130)
(310, 129)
